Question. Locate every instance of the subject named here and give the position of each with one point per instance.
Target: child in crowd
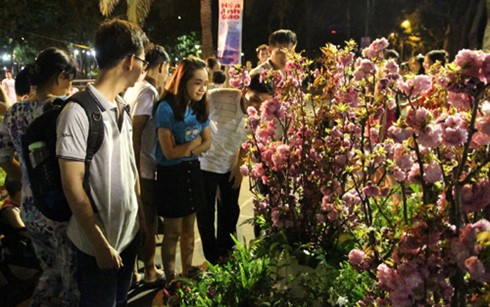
(10, 209)
(181, 119)
(219, 79)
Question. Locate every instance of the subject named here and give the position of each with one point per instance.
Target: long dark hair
(175, 92)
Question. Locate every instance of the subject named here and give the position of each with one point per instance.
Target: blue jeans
(105, 288)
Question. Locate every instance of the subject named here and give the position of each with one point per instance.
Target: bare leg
(171, 234)
(187, 242)
(147, 253)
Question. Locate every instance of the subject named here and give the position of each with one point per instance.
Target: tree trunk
(206, 28)
(486, 37)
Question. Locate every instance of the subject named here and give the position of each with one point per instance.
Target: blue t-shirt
(183, 131)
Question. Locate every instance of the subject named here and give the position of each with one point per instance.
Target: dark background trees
(28, 26)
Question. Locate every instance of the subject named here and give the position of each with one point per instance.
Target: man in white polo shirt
(106, 241)
(220, 165)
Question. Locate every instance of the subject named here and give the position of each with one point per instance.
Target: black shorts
(180, 190)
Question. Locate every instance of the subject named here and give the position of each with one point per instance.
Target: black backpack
(39, 151)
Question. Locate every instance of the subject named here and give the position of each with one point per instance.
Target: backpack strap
(95, 133)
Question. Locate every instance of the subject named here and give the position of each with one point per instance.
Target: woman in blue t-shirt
(182, 124)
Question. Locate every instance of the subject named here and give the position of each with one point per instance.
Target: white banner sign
(230, 31)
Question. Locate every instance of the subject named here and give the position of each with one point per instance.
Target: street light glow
(406, 24)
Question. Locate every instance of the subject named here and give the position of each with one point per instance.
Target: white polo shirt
(141, 98)
(227, 122)
(112, 172)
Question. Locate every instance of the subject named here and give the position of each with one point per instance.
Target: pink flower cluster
(357, 259)
(364, 69)
(475, 64)
(376, 49)
(335, 161)
(476, 196)
(239, 77)
(417, 86)
(465, 250)
(455, 130)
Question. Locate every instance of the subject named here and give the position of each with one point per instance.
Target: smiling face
(197, 86)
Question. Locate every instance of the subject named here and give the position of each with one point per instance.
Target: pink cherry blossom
(485, 69)
(357, 258)
(364, 68)
(421, 85)
(470, 62)
(346, 59)
(400, 134)
(432, 172)
(376, 48)
(386, 276)
(404, 161)
(430, 136)
(269, 109)
(455, 136)
(371, 189)
(244, 170)
(483, 125)
(391, 67)
(475, 268)
(399, 174)
(257, 170)
(418, 118)
(461, 101)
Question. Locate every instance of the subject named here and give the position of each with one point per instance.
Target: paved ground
(143, 298)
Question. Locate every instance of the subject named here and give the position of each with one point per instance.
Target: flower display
(387, 171)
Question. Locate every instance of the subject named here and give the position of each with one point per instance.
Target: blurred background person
(434, 56)
(416, 64)
(9, 85)
(262, 53)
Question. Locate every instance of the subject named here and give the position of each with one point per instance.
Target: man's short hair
(211, 62)
(219, 77)
(261, 47)
(282, 37)
(116, 39)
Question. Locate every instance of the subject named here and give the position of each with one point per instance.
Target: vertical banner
(230, 31)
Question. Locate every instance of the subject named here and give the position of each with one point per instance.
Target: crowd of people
(176, 154)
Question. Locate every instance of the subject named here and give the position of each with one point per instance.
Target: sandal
(159, 282)
(136, 281)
